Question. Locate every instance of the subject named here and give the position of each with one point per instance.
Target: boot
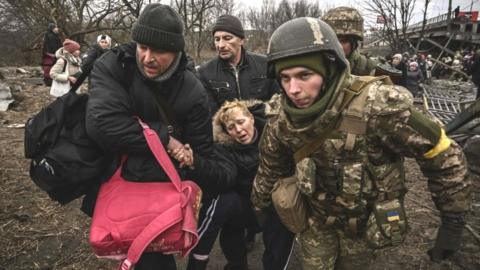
(194, 264)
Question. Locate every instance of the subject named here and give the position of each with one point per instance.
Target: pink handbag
(133, 217)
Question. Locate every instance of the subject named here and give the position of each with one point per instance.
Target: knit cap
(70, 45)
(160, 27)
(229, 23)
(51, 26)
(314, 61)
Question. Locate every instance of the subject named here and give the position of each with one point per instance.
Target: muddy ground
(37, 233)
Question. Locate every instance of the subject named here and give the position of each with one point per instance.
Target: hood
(61, 53)
(256, 107)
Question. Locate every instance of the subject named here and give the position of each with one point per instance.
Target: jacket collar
(243, 61)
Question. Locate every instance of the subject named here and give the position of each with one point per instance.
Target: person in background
(235, 72)
(67, 67)
(104, 43)
(398, 62)
(348, 25)
(51, 43)
(414, 78)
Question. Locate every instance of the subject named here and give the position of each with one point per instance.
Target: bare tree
(195, 14)
(396, 16)
(424, 22)
(269, 17)
(76, 19)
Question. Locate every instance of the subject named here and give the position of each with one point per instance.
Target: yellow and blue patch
(393, 216)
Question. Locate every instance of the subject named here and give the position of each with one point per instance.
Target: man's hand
(449, 237)
(182, 153)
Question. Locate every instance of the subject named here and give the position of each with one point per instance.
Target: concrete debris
(5, 97)
(21, 71)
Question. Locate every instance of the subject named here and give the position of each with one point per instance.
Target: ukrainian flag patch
(393, 216)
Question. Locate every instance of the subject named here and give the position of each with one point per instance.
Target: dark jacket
(402, 66)
(94, 52)
(220, 80)
(475, 71)
(244, 156)
(119, 92)
(51, 42)
(413, 79)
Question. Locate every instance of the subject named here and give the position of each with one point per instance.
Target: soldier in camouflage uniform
(348, 25)
(345, 138)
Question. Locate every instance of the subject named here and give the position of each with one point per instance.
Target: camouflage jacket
(349, 172)
(361, 65)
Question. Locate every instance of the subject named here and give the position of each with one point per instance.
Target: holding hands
(182, 153)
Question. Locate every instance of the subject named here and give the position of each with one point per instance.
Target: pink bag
(133, 217)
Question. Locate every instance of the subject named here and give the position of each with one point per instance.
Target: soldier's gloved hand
(449, 236)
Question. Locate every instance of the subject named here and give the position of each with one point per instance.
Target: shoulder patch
(273, 106)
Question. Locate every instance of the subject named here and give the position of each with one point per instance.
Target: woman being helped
(67, 67)
(237, 126)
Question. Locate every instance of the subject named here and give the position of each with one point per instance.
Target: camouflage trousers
(332, 249)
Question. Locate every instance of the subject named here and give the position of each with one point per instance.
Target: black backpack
(65, 162)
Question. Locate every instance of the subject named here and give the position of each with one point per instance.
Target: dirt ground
(37, 233)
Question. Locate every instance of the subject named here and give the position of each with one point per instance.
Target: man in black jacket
(235, 73)
(148, 79)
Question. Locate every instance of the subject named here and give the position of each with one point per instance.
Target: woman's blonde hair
(223, 114)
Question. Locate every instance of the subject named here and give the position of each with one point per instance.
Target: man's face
(302, 85)
(154, 62)
(56, 30)
(104, 43)
(346, 45)
(229, 46)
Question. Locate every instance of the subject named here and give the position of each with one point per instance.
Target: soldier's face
(228, 46)
(302, 85)
(346, 45)
(154, 62)
(240, 127)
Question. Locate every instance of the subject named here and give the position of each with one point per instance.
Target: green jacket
(361, 65)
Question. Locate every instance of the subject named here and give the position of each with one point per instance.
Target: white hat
(106, 37)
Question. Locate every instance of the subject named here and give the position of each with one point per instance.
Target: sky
(436, 7)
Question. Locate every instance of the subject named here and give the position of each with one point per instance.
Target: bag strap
(160, 154)
(159, 225)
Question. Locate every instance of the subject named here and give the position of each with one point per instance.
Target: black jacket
(94, 52)
(220, 80)
(243, 156)
(51, 42)
(119, 92)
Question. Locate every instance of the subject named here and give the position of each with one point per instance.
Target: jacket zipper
(236, 71)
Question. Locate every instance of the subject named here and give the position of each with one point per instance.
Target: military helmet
(302, 36)
(346, 21)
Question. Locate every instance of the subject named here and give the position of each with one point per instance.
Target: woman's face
(240, 127)
(76, 53)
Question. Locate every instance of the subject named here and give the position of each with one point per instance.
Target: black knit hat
(229, 23)
(160, 27)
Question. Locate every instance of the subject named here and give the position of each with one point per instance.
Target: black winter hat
(229, 23)
(51, 26)
(159, 26)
